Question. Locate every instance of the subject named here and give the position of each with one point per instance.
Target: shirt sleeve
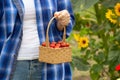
(66, 4)
(1, 8)
(2, 33)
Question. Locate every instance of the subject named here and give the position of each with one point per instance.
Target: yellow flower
(111, 16)
(117, 9)
(83, 42)
(76, 37)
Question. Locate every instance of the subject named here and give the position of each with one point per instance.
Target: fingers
(56, 14)
(62, 14)
(63, 17)
(64, 21)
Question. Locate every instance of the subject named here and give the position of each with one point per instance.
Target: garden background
(95, 40)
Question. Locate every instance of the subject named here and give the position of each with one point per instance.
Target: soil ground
(80, 75)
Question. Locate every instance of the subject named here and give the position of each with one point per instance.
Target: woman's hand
(63, 19)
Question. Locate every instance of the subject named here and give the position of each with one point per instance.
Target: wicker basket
(55, 55)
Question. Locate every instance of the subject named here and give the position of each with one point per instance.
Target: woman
(23, 26)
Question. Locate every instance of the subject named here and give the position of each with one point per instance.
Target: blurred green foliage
(104, 44)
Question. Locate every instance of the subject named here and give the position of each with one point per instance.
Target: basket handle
(47, 37)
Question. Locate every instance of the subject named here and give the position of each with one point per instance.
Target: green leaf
(90, 3)
(109, 3)
(95, 71)
(76, 5)
(117, 38)
(84, 31)
(118, 60)
(78, 22)
(99, 57)
(113, 57)
(100, 13)
(114, 54)
(80, 64)
(87, 55)
(79, 5)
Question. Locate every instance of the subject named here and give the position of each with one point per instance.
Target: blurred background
(95, 40)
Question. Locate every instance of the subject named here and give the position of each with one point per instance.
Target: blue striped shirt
(11, 23)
